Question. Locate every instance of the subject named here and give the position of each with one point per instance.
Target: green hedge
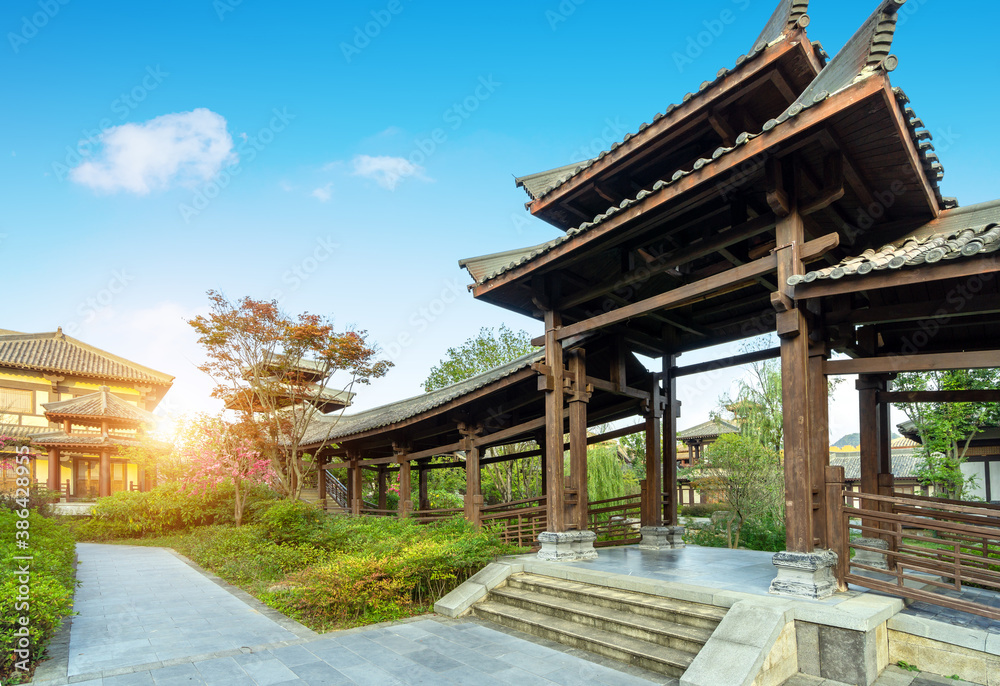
(50, 586)
(167, 509)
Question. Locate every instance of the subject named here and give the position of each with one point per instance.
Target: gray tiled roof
(20, 431)
(852, 64)
(709, 429)
(328, 428)
(57, 438)
(786, 15)
(57, 352)
(955, 234)
(101, 404)
(904, 464)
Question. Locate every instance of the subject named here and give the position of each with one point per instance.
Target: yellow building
(51, 369)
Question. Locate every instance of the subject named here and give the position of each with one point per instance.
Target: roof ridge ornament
(788, 16)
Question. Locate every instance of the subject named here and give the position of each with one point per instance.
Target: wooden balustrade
(616, 521)
(933, 543)
(518, 522)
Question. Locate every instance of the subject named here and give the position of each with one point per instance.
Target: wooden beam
(779, 136)
(611, 387)
(892, 278)
(693, 292)
(938, 310)
(666, 261)
(724, 362)
(966, 396)
(889, 364)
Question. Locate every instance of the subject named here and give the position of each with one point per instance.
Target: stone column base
(805, 575)
(870, 558)
(567, 546)
(661, 537)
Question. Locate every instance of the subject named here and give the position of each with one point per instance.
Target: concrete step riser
(624, 627)
(676, 617)
(643, 661)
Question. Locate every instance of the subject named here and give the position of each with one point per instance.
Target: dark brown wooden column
(473, 479)
(868, 386)
(405, 506)
(104, 476)
(578, 399)
(321, 481)
(819, 438)
(669, 454)
(354, 482)
(54, 471)
(793, 330)
(382, 488)
(554, 434)
(423, 499)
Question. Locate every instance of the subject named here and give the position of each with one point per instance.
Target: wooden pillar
(104, 476)
(868, 386)
(382, 488)
(669, 453)
(423, 500)
(819, 439)
(578, 399)
(321, 481)
(473, 481)
(354, 483)
(793, 330)
(405, 506)
(884, 433)
(554, 433)
(54, 471)
(540, 440)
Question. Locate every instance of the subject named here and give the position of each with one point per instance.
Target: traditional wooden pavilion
(698, 437)
(94, 429)
(790, 194)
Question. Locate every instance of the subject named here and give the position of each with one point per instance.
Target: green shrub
(292, 521)
(51, 582)
(165, 509)
(702, 509)
(768, 535)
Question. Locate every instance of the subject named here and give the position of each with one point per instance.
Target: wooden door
(87, 478)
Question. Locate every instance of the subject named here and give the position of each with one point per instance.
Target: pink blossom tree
(218, 453)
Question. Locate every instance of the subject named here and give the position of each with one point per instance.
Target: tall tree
(504, 481)
(946, 429)
(273, 370)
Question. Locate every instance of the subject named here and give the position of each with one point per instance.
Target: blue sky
(361, 167)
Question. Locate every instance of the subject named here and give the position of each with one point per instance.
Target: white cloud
(184, 147)
(323, 193)
(386, 171)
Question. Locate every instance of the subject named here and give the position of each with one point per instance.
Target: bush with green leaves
(50, 584)
(166, 509)
(292, 521)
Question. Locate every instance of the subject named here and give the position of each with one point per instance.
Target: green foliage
(767, 535)
(477, 355)
(749, 478)
(292, 521)
(947, 429)
(51, 582)
(606, 473)
(165, 509)
(39, 499)
(702, 509)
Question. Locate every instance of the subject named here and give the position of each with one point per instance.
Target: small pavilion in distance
(94, 429)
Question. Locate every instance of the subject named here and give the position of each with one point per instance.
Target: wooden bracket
(777, 196)
(833, 185)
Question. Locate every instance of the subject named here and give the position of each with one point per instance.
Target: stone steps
(658, 634)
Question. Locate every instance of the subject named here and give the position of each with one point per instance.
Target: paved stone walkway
(148, 617)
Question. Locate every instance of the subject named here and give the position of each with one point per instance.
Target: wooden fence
(517, 522)
(616, 521)
(934, 545)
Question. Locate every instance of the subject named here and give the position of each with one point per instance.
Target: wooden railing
(517, 522)
(933, 543)
(426, 516)
(616, 521)
(337, 491)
